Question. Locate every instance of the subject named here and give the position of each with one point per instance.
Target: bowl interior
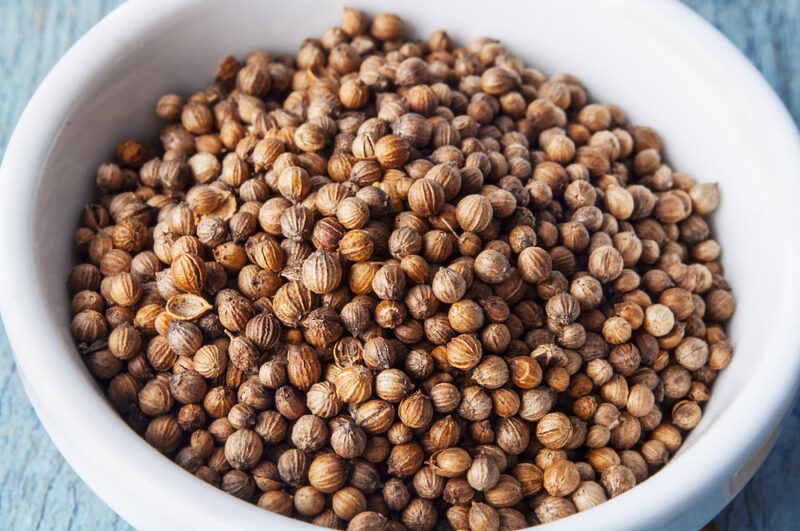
(621, 55)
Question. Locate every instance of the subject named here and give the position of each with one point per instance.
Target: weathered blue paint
(38, 490)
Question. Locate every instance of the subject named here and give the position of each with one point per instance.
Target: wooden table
(38, 490)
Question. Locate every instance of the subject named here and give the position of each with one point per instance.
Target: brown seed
(425, 197)
(464, 352)
(405, 459)
(617, 479)
(386, 27)
(356, 245)
(88, 326)
(492, 372)
(389, 282)
(189, 273)
(445, 397)
(322, 327)
(616, 330)
(364, 520)
(294, 183)
(374, 416)
(309, 433)
(427, 483)
(188, 386)
(322, 401)
(492, 267)
(476, 404)
(404, 241)
(353, 94)
(130, 235)
(465, 316)
(474, 213)
(720, 305)
(322, 272)
(327, 473)
(534, 264)
(125, 342)
(352, 213)
(588, 495)
(308, 501)
(378, 353)
(155, 398)
(292, 302)
(507, 492)
(392, 151)
(263, 330)
(525, 372)
(243, 353)
(658, 320)
(483, 473)
(210, 361)
(270, 426)
(605, 263)
(348, 440)
(451, 462)
(483, 516)
(243, 449)
(164, 434)
(348, 502)
(302, 366)
(554, 430)
(353, 384)
(705, 197)
(448, 285)
(561, 478)
(513, 435)
(444, 433)
(619, 201)
(415, 411)
(562, 309)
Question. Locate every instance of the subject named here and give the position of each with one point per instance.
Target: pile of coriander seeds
(402, 283)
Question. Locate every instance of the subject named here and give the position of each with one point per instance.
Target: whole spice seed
(408, 252)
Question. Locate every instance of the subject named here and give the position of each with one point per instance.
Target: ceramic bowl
(667, 68)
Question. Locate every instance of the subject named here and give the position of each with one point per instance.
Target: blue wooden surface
(38, 490)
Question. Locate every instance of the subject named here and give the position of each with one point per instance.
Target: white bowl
(666, 66)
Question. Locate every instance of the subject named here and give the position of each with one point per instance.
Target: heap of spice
(402, 283)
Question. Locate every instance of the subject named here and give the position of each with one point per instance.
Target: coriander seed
(419, 253)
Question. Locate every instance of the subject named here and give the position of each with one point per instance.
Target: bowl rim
(723, 447)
